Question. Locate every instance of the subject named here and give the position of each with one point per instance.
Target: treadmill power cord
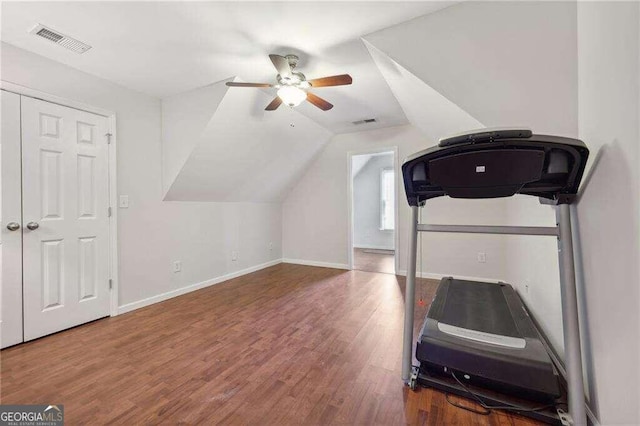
(486, 411)
(488, 408)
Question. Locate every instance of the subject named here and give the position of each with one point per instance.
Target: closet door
(11, 221)
(65, 216)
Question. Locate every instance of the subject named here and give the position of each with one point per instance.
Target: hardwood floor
(373, 261)
(286, 345)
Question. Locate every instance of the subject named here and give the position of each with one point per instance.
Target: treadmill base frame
(551, 415)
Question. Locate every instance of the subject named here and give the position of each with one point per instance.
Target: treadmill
(478, 339)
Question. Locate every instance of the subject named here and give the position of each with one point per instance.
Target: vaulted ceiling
(489, 63)
(166, 48)
(427, 109)
(443, 69)
(224, 150)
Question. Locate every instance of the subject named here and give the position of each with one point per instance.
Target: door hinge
(110, 284)
(109, 212)
(108, 135)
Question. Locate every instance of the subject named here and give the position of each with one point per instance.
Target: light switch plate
(123, 202)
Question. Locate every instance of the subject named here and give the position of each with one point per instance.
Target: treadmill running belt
(478, 306)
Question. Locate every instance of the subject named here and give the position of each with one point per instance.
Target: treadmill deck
(483, 331)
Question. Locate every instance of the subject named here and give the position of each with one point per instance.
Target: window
(387, 200)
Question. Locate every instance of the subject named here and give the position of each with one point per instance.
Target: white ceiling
(165, 48)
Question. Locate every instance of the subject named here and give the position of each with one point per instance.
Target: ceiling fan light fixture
(293, 87)
(291, 95)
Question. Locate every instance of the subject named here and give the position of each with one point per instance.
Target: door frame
(396, 170)
(113, 193)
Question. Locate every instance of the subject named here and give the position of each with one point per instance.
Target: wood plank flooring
(365, 260)
(286, 345)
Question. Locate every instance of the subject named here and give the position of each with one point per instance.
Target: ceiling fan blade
(282, 65)
(234, 84)
(275, 103)
(319, 102)
(334, 80)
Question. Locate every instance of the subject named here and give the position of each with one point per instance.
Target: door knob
(33, 225)
(13, 226)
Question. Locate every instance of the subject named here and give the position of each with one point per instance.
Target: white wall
(316, 213)
(608, 213)
(153, 233)
(532, 266)
(367, 206)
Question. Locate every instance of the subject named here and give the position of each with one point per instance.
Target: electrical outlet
(270, 246)
(177, 266)
(482, 257)
(234, 256)
(124, 202)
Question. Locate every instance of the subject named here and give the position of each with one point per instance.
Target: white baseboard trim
(372, 247)
(399, 272)
(433, 276)
(315, 263)
(193, 287)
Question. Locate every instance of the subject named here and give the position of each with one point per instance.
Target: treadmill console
(497, 163)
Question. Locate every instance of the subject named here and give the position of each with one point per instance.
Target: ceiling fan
(293, 87)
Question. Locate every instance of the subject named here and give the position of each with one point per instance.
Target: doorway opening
(373, 184)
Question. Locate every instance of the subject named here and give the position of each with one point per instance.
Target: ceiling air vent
(365, 121)
(59, 38)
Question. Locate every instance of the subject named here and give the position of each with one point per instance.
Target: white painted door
(11, 221)
(65, 217)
